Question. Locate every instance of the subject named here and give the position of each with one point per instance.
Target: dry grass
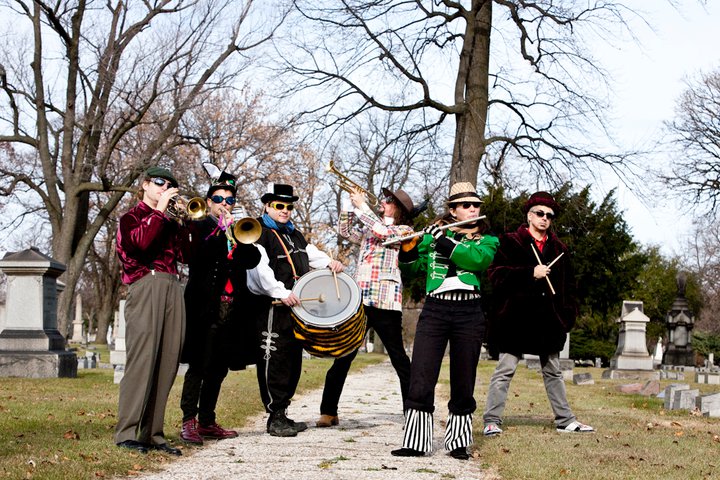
(62, 429)
(636, 437)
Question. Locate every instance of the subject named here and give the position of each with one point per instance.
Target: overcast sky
(650, 77)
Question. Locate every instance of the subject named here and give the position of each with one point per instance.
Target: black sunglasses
(282, 206)
(218, 199)
(466, 205)
(542, 214)
(161, 182)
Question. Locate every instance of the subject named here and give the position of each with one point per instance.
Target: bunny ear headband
(217, 176)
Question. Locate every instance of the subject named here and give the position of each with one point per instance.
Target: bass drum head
(332, 311)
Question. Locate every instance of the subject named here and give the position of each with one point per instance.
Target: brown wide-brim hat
(541, 198)
(401, 198)
(463, 192)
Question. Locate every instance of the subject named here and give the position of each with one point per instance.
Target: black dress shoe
(460, 453)
(164, 447)
(407, 452)
(133, 445)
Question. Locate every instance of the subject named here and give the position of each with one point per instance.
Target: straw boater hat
(401, 198)
(541, 198)
(463, 192)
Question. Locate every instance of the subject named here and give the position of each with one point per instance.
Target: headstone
(118, 355)
(658, 354)
(684, 399)
(711, 359)
(670, 393)
(77, 332)
(30, 343)
(583, 379)
(92, 359)
(598, 362)
(631, 359)
(709, 404)
(679, 321)
(651, 387)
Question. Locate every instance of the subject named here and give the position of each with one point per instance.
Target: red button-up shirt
(148, 240)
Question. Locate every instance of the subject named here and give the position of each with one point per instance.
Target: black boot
(298, 426)
(460, 453)
(407, 452)
(279, 426)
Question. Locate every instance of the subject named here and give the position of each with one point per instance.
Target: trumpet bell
(196, 208)
(247, 230)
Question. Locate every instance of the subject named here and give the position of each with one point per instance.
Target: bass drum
(332, 323)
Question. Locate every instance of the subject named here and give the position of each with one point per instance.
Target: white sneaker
(576, 427)
(491, 430)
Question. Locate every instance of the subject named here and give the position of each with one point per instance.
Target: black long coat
(528, 318)
(210, 268)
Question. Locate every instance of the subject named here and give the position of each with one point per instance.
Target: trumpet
(182, 208)
(349, 186)
(443, 227)
(246, 230)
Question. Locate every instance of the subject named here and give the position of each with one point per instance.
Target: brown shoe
(327, 421)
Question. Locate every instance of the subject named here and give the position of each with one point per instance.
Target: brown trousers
(155, 327)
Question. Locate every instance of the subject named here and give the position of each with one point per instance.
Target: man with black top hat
(378, 277)
(286, 256)
(536, 308)
(149, 245)
(215, 294)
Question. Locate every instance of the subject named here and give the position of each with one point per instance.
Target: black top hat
(279, 191)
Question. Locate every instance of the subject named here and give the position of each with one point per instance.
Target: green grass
(636, 437)
(63, 428)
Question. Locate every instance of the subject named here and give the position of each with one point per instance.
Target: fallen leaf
(679, 434)
(676, 424)
(70, 435)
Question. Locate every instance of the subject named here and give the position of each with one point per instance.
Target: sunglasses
(161, 182)
(218, 199)
(388, 200)
(282, 206)
(466, 205)
(541, 214)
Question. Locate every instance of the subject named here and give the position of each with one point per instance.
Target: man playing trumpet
(378, 277)
(214, 297)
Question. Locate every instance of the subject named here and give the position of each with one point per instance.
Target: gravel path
(359, 448)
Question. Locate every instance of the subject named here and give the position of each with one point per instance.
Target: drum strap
(287, 254)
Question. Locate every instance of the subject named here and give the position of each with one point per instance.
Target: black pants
(388, 326)
(279, 362)
(460, 324)
(203, 380)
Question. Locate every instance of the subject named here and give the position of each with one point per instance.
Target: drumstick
(540, 263)
(337, 287)
(556, 259)
(320, 298)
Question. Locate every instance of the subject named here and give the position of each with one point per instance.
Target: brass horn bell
(247, 230)
(182, 208)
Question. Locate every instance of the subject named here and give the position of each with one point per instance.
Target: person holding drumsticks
(378, 277)
(286, 256)
(452, 259)
(214, 298)
(536, 308)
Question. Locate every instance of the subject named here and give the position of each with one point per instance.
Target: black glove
(434, 230)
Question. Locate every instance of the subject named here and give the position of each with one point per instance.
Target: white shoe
(491, 430)
(576, 427)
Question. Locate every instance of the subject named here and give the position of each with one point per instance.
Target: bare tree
(695, 140)
(704, 259)
(93, 94)
(528, 98)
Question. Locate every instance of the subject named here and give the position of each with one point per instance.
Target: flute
(444, 227)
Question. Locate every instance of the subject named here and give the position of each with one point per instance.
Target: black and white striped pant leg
(418, 430)
(458, 432)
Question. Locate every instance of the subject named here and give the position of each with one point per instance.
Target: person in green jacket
(452, 259)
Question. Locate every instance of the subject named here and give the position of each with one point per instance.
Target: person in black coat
(214, 299)
(536, 308)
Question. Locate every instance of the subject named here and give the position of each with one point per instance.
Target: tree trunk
(471, 90)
